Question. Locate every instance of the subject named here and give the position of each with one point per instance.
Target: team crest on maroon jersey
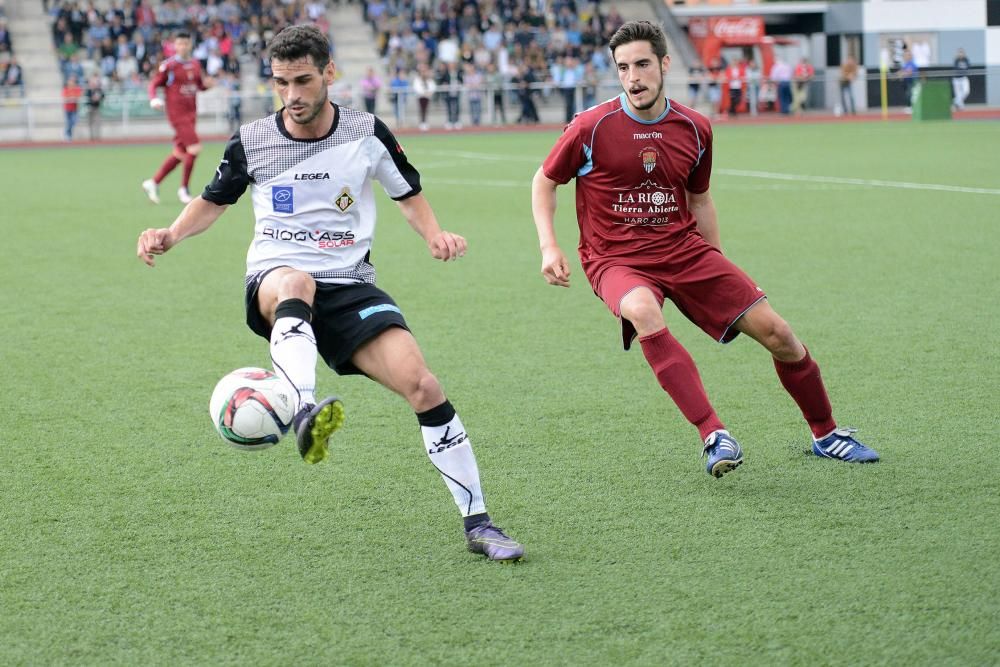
(648, 156)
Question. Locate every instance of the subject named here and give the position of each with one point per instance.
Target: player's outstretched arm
(194, 219)
(555, 268)
(442, 245)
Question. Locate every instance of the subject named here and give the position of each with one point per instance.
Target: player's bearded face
(641, 74)
(304, 108)
(302, 88)
(646, 94)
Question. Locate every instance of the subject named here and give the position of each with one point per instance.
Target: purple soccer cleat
(490, 541)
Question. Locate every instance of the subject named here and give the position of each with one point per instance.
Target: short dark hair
(182, 34)
(636, 31)
(298, 41)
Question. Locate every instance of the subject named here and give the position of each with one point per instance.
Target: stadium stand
(515, 57)
(11, 73)
(522, 62)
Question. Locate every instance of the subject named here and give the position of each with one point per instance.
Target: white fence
(128, 115)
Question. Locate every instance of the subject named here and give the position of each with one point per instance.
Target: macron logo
(647, 135)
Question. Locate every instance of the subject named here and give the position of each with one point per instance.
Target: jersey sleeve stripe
(697, 136)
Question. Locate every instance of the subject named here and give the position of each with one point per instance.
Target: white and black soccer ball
(252, 408)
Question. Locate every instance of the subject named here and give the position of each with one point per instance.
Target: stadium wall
(947, 41)
(923, 15)
(992, 48)
(844, 18)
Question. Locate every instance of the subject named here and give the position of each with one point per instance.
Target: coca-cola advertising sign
(728, 29)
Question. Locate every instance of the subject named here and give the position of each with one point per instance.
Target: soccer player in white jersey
(310, 287)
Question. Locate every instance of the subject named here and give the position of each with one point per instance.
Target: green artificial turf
(131, 534)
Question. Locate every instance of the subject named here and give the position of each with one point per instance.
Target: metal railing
(127, 115)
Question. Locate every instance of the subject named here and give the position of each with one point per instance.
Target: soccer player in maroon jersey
(181, 78)
(649, 232)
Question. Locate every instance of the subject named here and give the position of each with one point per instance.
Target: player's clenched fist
(153, 242)
(445, 246)
(555, 268)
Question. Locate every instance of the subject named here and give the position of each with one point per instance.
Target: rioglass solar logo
(323, 240)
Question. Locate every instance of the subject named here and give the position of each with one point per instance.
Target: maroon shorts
(185, 135)
(705, 286)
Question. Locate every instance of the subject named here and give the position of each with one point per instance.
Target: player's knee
(297, 285)
(193, 150)
(424, 391)
(644, 314)
(780, 339)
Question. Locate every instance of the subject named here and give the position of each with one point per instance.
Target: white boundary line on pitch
(771, 175)
(866, 182)
(784, 187)
(493, 157)
(490, 184)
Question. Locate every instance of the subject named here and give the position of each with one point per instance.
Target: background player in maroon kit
(649, 231)
(181, 78)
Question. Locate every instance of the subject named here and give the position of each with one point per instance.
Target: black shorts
(344, 318)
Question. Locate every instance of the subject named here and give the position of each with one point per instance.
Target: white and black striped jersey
(312, 198)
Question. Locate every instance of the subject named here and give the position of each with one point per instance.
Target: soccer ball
(252, 408)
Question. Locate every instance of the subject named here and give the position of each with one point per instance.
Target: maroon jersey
(631, 177)
(181, 79)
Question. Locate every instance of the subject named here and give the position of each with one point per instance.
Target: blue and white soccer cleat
(723, 452)
(842, 446)
(314, 424)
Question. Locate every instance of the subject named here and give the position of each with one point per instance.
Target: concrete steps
(354, 50)
(31, 35)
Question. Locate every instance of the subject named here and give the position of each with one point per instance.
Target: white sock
(293, 355)
(450, 452)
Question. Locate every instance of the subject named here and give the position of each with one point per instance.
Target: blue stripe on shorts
(381, 308)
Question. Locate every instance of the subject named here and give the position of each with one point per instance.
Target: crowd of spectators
(476, 53)
(475, 48)
(11, 74)
(123, 41)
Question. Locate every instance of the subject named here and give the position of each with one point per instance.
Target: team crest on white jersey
(648, 156)
(344, 200)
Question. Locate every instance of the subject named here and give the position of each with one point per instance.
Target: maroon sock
(165, 168)
(675, 370)
(188, 167)
(802, 380)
